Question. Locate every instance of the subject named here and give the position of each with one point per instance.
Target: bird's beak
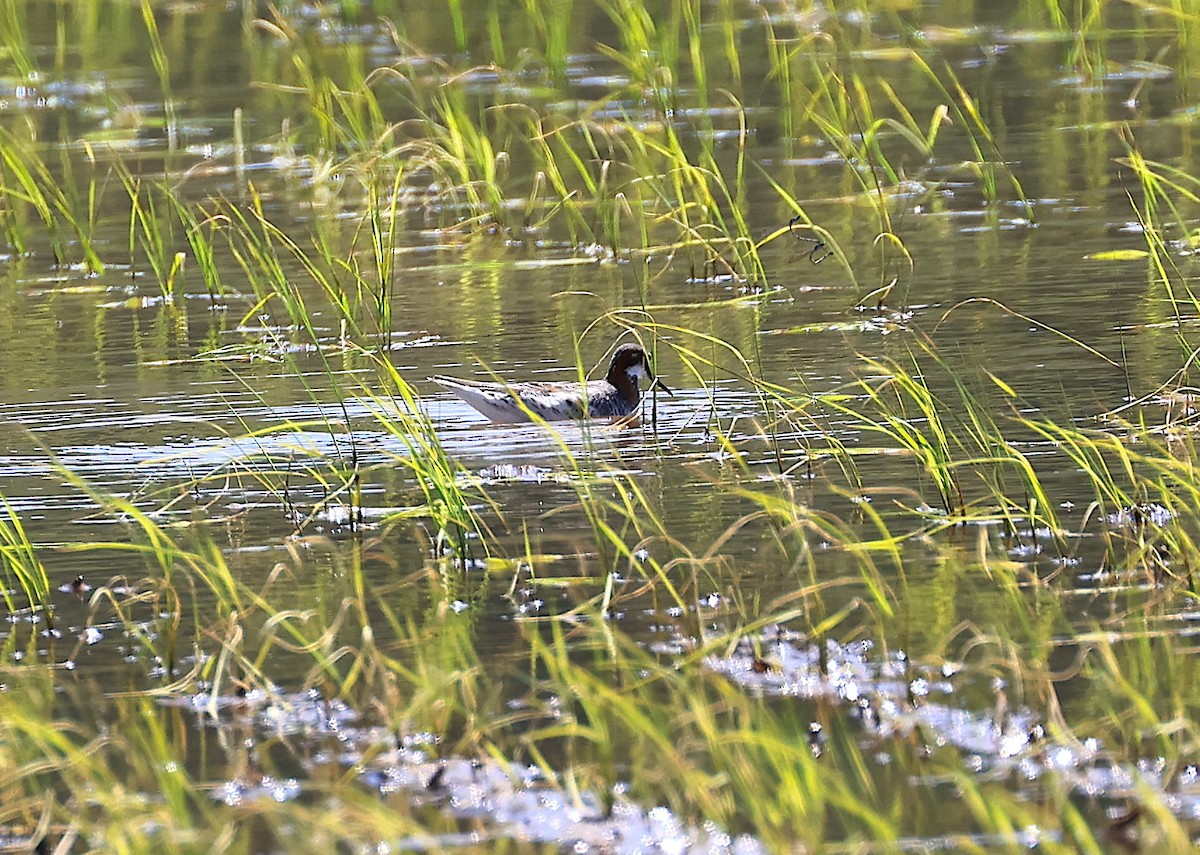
(661, 385)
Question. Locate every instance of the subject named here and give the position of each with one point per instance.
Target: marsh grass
(715, 753)
(598, 709)
(590, 704)
(150, 234)
(646, 184)
(200, 227)
(158, 57)
(449, 503)
(31, 188)
(21, 563)
(1168, 196)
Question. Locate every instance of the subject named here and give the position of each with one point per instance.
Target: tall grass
(577, 695)
(30, 188)
(665, 176)
(20, 562)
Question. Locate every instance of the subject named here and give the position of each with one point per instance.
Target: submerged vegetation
(908, 564)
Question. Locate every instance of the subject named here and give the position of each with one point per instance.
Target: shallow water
(163, 404)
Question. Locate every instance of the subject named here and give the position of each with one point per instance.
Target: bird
(616, 396)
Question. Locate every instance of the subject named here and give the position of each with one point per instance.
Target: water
(222, 414)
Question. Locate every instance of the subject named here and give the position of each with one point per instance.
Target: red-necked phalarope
(617, 395)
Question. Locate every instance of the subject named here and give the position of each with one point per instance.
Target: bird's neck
(626, 386)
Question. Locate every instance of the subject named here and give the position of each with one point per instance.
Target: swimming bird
(617, 395)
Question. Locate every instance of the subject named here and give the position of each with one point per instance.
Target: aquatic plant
(806, 617)
(20, 562)
(29, 186)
